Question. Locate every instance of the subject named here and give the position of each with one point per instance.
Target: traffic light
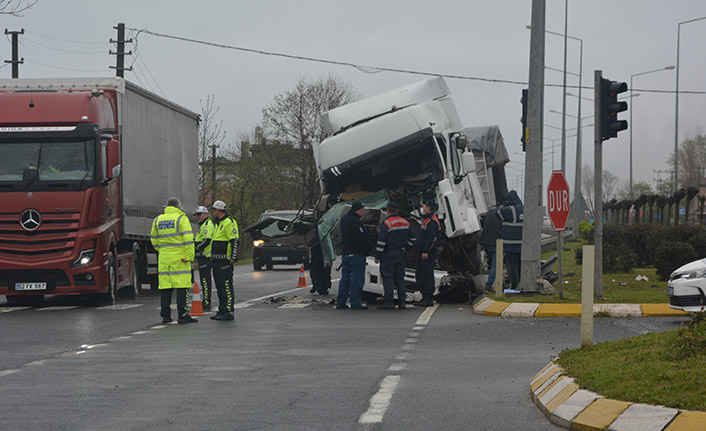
(523, 120)
(610, 107)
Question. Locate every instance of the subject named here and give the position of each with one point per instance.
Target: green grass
(641, 369)
(619, 288)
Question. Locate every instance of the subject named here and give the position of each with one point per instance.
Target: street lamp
(676, 107)
(632, 125)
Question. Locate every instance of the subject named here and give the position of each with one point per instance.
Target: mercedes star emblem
(30, 220)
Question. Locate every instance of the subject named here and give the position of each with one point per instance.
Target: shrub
(636, 238)
(586, 231)
(691, 339)
(671, 255)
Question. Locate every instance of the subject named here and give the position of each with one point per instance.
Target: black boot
(388, 305)
(425, 302)
(187, 319)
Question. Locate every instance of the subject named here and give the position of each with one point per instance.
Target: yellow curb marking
(539, 374)
(558, 310)
(496, 308)
(599, 415)
(548, 388)
(688, 421)
(541, 381)
(560, 398)
(652, 310)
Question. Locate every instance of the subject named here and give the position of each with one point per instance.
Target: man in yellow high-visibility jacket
(224, 253)
(203, 254)
(173, 240)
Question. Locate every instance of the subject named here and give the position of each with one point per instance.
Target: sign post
(558, 208)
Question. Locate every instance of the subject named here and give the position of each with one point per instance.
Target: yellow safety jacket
(173, 239)
(225, 239)
(204, 237)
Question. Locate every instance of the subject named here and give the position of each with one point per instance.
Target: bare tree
(294, 117)
(211, 134)
(692, 161)
(15, 7)
(610, 183)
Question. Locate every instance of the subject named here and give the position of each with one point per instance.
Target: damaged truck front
(406, 145)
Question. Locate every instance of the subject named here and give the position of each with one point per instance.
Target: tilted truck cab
(85, 166)
(410, 144)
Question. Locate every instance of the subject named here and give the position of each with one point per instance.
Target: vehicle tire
(133, 290)
(307, 264)
(109, 296)
(269, 266)
(256, 266)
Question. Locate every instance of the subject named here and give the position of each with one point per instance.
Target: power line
(144, 63)
(65, 40)
(63, 50)
(375, 69)
(62, 68)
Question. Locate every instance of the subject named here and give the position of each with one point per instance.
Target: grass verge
(666, 368)
(618, 288)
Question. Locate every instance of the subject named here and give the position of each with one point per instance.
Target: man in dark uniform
(511, 214)
(356, 245)
(427, 252)
(393, 238)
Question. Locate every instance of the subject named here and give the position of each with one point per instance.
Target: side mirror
(112, 166)
(461, 142)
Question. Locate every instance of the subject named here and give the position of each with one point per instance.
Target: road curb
(489, 307)
(569, 406)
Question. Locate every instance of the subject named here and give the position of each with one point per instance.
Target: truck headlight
(258, 243)
(84, 258)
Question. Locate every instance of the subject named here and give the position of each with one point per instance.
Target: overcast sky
(475, 38)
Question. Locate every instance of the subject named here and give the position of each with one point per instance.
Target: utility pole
(598, 184)
(213, 172)
(533, 210)
(120, 54)
(16, 61)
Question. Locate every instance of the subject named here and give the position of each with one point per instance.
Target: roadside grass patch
(666, 368)
(618, 288)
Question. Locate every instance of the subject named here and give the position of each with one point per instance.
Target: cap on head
(392, 205)
(431, 203)
(356, 206)
(219, 205)
(201, 210)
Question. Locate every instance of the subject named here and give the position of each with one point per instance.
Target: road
(292, 365)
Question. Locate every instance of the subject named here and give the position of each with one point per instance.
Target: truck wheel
(109, 296)
(256, 266)
(269, 266)
(307, 264)
(133, 290)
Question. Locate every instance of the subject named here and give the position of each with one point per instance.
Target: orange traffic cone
(196, 306)
(302, 277)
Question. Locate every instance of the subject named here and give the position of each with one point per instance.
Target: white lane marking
(139, 332)
(380, 401)
(426, 315)
(125, 337)
(396, 367)
(159, 327)
(119, 306)
(58, 308)
(9, 309)
(410, 340)
(7, 372)
(417, 328)
(402, 356)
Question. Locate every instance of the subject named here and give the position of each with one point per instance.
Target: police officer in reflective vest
(427, 251)
(393, 238)
(203, 254)
(224, 253)
(173, 240)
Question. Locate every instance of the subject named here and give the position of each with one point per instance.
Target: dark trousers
(392, 273)
(425, 276)
(512, 262)
(223, 276)
(165, 300)
(352, 280)
(205, 276)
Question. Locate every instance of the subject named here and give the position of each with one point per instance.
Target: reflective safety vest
(173, 239)
(205, 234)
(224, 245)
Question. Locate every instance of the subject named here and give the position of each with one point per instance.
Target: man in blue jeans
(355, 246)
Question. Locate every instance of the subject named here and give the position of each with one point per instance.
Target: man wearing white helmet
(224, 253)
(203, 253)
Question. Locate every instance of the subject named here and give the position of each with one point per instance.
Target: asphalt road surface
(294, 363)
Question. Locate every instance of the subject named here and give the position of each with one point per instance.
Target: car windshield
(47, 161)
(277, 229)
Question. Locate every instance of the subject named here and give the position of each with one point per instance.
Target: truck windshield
(278, 228)
(48, 161)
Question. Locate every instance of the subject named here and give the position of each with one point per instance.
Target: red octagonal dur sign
(558, 202)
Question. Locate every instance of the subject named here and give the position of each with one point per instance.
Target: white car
(687, 287)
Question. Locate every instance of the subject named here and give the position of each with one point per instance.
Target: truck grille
(54, 238)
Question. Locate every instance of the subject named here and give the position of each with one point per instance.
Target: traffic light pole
(533, 211)
(598, 185)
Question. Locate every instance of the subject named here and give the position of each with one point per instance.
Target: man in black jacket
(356, 245)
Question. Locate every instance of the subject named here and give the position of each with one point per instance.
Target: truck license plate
(30, 286)
(279, 258)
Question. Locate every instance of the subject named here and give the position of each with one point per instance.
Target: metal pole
(598, 185)
(577, 178)
(587, 297)
(632, 197)
(533, 213)
(560, 234)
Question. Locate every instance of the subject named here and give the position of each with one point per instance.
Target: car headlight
(84, 258)
(258, 243)
(699, 273)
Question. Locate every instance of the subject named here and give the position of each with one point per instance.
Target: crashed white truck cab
(406, 145)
